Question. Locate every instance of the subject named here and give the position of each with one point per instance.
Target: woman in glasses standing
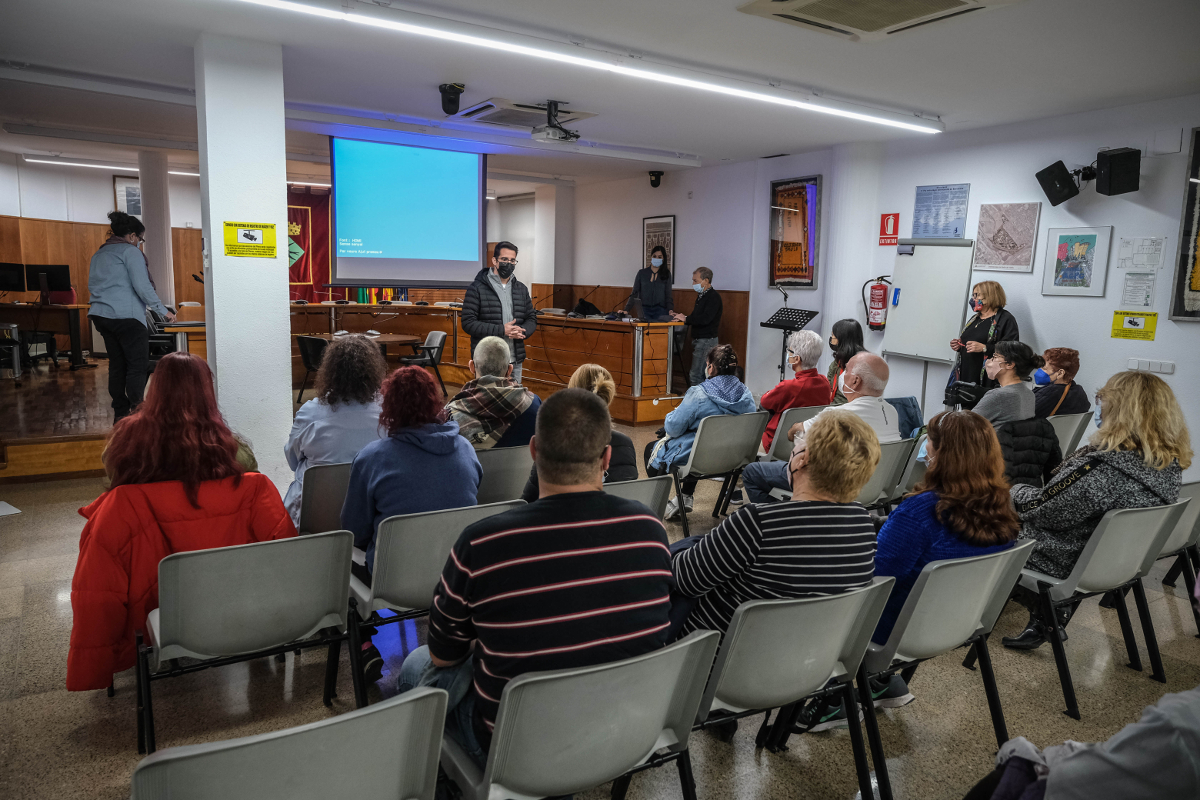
(120, 291)
(990, 324)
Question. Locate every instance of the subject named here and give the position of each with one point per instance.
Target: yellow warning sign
(250, 239)
(1135, 325)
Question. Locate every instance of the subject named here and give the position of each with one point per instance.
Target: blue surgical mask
(1041, 378)
(1096, 418)
(656, 262)
(697, 287)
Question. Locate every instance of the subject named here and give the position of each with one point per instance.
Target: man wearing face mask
(704, 320)
(497, 304)
(652, 286)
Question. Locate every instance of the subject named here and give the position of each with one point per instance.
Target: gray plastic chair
(1070, 428)
(429, 355)
(724, 445)
(322, 496)
(914, 472)
(781, 446)
(1182, 545)
(778, 653)
(410, 554)
(569, 730)
(954, 602)
(1121, 550)
(249, 601)
(505, 471)
(881, 486)
(393, 746)
(653, 493)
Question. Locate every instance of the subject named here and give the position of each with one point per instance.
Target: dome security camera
(655, 179)
(451, 92)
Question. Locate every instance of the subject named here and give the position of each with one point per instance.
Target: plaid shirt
(485, 407)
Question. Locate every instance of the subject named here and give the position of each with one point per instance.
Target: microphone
(621, 303)
(784, 292)
(197, 278)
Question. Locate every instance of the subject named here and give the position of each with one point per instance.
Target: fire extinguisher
(876, 307)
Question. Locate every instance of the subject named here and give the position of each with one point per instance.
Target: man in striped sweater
(576, 578)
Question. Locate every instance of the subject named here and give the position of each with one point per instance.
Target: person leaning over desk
(653, 287)
(704, 320)
(975, 345)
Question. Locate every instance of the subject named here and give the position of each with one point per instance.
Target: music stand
(788, 320)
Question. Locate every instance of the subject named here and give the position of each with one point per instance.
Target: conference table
(65, 319)
(383, 340)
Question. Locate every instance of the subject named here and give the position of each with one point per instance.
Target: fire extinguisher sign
(889, 229)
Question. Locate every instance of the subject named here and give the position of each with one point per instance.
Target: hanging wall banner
(1135, 325)
(250, 239)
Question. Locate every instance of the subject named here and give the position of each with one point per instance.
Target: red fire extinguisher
(877, 306)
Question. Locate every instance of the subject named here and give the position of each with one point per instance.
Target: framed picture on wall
(1185, 288)
(659, 232)
(127, 195)
(1076, 261)
(1007, 235)
(795, 232)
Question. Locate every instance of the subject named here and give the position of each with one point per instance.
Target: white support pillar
(853, 223)
(544, 235)
(156, 216)
(239, 105)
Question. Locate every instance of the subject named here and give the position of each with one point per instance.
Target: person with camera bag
(977, 342)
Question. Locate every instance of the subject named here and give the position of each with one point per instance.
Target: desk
(383, 340)
(55, 319)
(190, 339)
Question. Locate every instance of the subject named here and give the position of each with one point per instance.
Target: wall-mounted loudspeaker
(1058, 183)
(1117, 171)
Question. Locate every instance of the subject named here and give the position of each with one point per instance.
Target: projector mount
(552, 131)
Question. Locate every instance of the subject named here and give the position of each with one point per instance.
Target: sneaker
(673, 506)
(736, 498)
(372, 663)
(892, 694)
(823, 715)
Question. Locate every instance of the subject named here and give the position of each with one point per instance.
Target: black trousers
(128, 345)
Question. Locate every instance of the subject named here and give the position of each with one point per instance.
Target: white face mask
(656, 262)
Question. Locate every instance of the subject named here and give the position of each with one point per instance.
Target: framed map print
(1076, 261)
(1185, 288)
(1007, 235)
(795, 232)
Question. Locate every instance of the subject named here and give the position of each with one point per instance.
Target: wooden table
(383, 339)
(51, 318)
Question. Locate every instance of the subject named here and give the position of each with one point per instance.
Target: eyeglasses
(512, 261)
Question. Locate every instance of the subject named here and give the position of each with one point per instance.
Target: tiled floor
(63, 745)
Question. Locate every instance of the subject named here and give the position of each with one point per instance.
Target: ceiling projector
(545, 133)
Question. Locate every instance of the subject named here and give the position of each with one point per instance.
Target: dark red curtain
(308, 248)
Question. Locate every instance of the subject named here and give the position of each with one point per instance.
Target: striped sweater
(568, 581)
(775, 551)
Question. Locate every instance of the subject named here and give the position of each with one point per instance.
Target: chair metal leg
(620, 786)
(1131, 648)
(1050, 622)
(1156, 665)
(438, 372)
(873, 737)
(721, 496)
(683, 517)
(147, 702)
(331, 671)
(140, 700)
(764, 730)
(861, 767)
(1175, 570)
(302, 384)
(992, 691)
(972, 657)
(733, 479)
(1189, 580)
(686, 779)
(356, 673)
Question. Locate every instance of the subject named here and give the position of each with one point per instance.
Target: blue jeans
(458, 681)
(761, 477)
(516, 376)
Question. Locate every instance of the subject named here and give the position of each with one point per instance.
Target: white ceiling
(1036, 59)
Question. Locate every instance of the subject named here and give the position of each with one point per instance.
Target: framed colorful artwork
(659, 232)
(795, 232)
(1185, 288)
(1076, 261)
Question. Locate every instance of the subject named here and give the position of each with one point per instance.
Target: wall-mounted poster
(128, 195)
(1185, 289)
(795, 232)
(659, 232)
(940, 211)
(1076, 261)
(1007, 235)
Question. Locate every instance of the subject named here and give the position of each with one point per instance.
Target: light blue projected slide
(406, 215)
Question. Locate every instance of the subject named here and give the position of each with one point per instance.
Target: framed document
(1185, 288)
(127, 195)
(795, 232)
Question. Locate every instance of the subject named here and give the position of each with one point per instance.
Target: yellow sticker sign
(250, 239)
(1135, 325)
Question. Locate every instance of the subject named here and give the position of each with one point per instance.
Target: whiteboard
(934, 284)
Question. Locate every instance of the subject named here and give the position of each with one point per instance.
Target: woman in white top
(342, 418)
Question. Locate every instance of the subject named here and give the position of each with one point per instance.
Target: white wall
(517, 226)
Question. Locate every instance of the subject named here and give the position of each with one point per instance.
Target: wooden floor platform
(53, 424)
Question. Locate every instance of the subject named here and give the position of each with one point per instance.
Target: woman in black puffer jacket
(1031, 451)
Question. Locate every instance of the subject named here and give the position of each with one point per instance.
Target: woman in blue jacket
(720, 393)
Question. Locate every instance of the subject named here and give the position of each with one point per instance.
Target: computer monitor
(12, 277)
(58, 277)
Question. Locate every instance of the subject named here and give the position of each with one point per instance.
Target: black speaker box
(1057, 183)
(1118, 171)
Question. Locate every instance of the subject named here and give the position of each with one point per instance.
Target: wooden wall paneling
(46, 241)
(432, 296)
(10, 252)
(187, 258)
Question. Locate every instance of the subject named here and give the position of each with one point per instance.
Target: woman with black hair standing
(846, 342)
(652, 286)
(120, 291)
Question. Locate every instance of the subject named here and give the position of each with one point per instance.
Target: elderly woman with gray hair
(807, 388)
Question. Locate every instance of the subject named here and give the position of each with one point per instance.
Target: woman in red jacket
(176, 486)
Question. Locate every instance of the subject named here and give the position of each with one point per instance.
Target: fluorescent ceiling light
(593, 63)
(309, 183)
(192, 174)
(99, 166)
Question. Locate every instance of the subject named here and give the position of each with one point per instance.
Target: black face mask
(832, 346)
(505, 270)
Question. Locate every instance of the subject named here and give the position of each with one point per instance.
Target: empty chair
(1070, 428)
(781, 446)
(565, 731)
(234, 604)
(653, 493)
(311, 350)
(953, 603)
(393, 745)
(880, 489)
(914, 471)
(429, 355)
(1182, 545)
(1119, 552)
(322, 497)
(410, 552)
(724, 445)
(505, 470)
(777, 653)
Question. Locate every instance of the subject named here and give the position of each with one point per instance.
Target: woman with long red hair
(177, 485)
